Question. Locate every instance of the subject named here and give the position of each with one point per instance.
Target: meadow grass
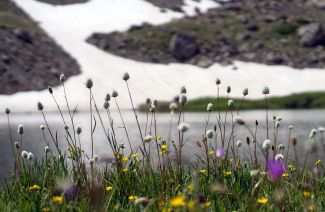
(153, 176)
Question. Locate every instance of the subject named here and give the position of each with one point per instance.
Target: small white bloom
(42, 127)
(183, 127)
(96, 158)
(20, 129)
(277, 124)
(266, 145)
(313, 133)
(209, 107)
(183, 98)
(279, 118)
(209, 134)
(62, 77)
(47, 149)
(24, 154)
(239, 143)
(321, 129)
(91, 161)
(279, 157)
(281, 147)
(173, 106)
(290, 127)
(231, 103)
(30, 156)
(152, 108)
(238, 120)
(147, 138)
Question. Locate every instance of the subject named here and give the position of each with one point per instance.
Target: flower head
(266, 145)
(220, 152)
(239, 143)
(275, 170)
(209, 107)
(209, 134)
(62, 77)
(266, 90)
(89, 83)
(183, 98)
(279, 157)
(147, 138)
(47, 149)
(262, 200)
(178, 201)
(313, 133)
(245, 92)
(109, 188)
(231, 103)
(183, 127)
(114, 94)
(238, 120)
(133, 197)
(183, 89)
(20, 129)
(33, 187)
(57, 199)
(228, 89)
(79, 130)
(106, 105)
(40, 106)
(30, 156)
(126, 76)
(24, 154)
(218, 81)
(7, 111)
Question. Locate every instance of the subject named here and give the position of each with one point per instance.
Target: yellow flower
(45, 209)
(72, 149)
(109, 188)
(210, 152)
(135, 155)
(190, 187)
(158, 138)
(134, 170)
(125, 170)
(206, 204)
(133, 197)
(306, 194)
(190, 205)
(33, 187)
(285, 174)
(227, 173)
(290, 166)
(262, 200)
(163, 147)
(57, 199)
(178, 201)
(203, 171)
(230, 160)
(317, 162)
(125, 159)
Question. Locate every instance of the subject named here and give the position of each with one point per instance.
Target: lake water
(301, 120)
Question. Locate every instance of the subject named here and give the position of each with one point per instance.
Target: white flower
(277, 124)
(279, 157)
(313, 133)
(281, 147)
(321, 129)
(266, 90)
(209, 107)
(183, 98)
(239, 120)
(91, 161)
(20, 129)
(231, 103)
(266, 145)
(152, 108)
(147, 138)
(209, 134)
(254, 172)
(126, 76)
(17, 145)
(42, 127)
(24, 154)
(96, 158)
(290, 127)
(173, 106)
(62, 78)
(279, 118)
(114, 93)
(183, 127)
(239, 143)
(245, 92)
(30, 156)
(47, 149)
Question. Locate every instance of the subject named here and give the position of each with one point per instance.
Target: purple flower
(70, 192)
(202, 199)
(220, 152)
(275, 170)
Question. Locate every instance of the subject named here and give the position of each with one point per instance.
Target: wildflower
(279, 118)
(57, 199)
(24, 154)
(290, 166)
(126, 76)
(134, 170)
(163, 147)
(40, 106)
(218, 81)
(152, 108)
(62, 77)
(30, 156)
(17, 145)
(182, 98)
(203, 171)
(47, 149)
(317, 162)
(277, 124)
(107, 97)
(230, 160)
(262, 200)
(147, 138)
(285, 174)
(133, 197)
(245, 92)
(183, 127)
(7, 111)
(220, 152)
(45, 209)
(178, 201)
(209, 134)
(79, 130)
(290, 127)
(190, 187)
(313, 133)
(158, 138)
(42, 127)
(231, 103)
(210, 152)
(96, 158)
(281, 146)
(20, 129)
(109, 188)
(91, 162)
(275, 170)
(50, 89)
(155, 103)
(227, 173)
(173, 106)
(321, 129)
(228, 89)
(33, 187)
(125, 170)
(148, 101)
(279, 157)
(266, 91)
(183, 89)
(106, 105)
(125, 159)
(89, 83)
(209, 107)
(306, 194)
(114, 93)
(266, 145)
(254, 172)
(239, 143)
(135, 155)
(70, 192)
(206, 204)
(190, 205)
(238, 120)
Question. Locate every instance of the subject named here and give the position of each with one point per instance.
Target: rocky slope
(274, 32)
(29, 59)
